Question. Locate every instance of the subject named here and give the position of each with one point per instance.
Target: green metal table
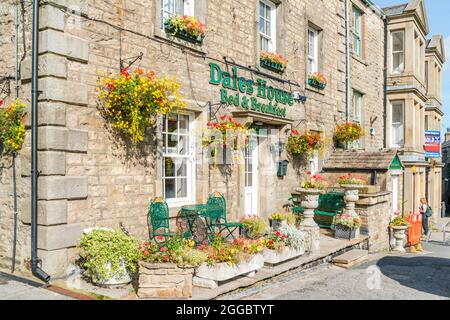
(198, 218)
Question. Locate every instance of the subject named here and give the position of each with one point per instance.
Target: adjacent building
(89, 179)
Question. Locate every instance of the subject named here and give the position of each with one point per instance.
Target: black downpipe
(385, 81)
(35, 269)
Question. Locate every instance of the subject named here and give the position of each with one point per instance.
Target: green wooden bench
(330, 205)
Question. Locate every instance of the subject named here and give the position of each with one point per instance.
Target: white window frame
(358, 98)
(398, 70)
(395, 144)
(357, 31)
(188, 9)
(190, 165)
(313, 57)
(273, 26)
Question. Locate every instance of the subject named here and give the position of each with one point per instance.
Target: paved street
(412, 277)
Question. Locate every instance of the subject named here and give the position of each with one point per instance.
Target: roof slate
(381, 160)
(394, 10)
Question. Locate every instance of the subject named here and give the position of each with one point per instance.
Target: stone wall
(90, 179)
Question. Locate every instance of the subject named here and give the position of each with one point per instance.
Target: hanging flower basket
(348, 132)
(132, 101)
(186, 28)
(300, 145)
(273, 61)
(12, 127)
(317, 80)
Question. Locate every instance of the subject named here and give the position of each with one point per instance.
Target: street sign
(432, 144)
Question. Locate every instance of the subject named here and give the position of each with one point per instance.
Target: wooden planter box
(272, 66)
(274, 257)
(211, 276)
(164, 280)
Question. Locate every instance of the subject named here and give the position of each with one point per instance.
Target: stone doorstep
(352, 263)
(350, 256)
(329, 247)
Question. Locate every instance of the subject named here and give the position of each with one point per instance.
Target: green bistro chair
(218, 218)
(158, 219)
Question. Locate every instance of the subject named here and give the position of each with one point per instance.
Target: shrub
(255, 226)
(348, 132)
(288, 217)
(12, 128)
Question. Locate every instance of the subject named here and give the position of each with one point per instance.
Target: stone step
(351, 256)
(353, 263)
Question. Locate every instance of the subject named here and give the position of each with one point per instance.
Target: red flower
(125, 72)
(145, 253)
(308, 173)
(295, 132)
(1, 102)
(159, 237)
(277, 233)
(164, 249)
(139, 71)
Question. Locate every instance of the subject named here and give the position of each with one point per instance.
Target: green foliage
(12, 128)
(295, 238)
(101, 247)
(255, 226)
(399, 222)
(287, 216)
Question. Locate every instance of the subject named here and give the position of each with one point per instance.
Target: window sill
(177, 204)
(161, 34)
(314, 89)
(359, 59)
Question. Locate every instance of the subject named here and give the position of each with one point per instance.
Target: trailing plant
(103, 248)
(175, 249)
(299, 145)
(315, 181)
(249, 246)
(276, 241)
(254, 226)
(350, 179)
(188, 24)
(348, 132)
(223, 131)
(349, 221)
(289, 217)
(220, 252)
(274, 58)
(295, 238)
(399, 222)
(12, 127)
(317, 80)
(133, 100)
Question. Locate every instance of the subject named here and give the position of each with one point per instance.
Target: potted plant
(348, 132)
(109, 257)
(310, 189)
(186, 28)
(273, 61)
(253, 227)
(300, 145)
(12, 127)
(399, 226)
(283, 245)
(317, 80)
(166, 268)
(132, 101)
(351, 185)
(227, 261)
(346, 226)
(277, 218)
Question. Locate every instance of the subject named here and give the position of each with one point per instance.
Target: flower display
(188, 25)
(313, 181)
(298, 144)
(218, 133)
(12, 127)
(350, 179)
(132, 101)
(348, 132)
(398, 221)
(273, 61)
(276, 241)
(349, 221)
(254, 226)
(286, 216)
(317, 80)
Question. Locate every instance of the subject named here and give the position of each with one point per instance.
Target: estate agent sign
(245, 93)
(432, 144)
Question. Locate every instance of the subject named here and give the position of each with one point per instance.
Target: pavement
(421, 276)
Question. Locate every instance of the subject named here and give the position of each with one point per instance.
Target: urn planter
(351, 196)
(343, 232)
(164, 280)
(120, 278)
(399, 235)
(275, 257)
(309, 201)
(211, 276)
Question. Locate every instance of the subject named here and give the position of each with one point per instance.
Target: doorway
(251, 177)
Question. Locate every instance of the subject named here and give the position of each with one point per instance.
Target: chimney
(447, 135)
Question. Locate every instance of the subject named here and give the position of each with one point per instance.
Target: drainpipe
(385, 76)
(347, 61)
(35, 268)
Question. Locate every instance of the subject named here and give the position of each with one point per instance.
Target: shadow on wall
(426, 274)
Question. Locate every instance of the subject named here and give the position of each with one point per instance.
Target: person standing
(426, 213)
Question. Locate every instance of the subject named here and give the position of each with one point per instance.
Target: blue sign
(432, 144)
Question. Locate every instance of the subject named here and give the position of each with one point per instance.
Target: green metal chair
(158, 219)
(218, 218)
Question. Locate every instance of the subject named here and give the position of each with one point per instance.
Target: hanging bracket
(128, 62)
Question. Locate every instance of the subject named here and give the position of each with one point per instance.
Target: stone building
(90, 179)
(446, 172)
(414, 102)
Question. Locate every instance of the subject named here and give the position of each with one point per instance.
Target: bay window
(267, 26)
(397, 124)
(398, 53)
(178, 167)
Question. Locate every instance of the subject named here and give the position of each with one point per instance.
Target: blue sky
(438, 19)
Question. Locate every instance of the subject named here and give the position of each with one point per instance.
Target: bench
(330, 205)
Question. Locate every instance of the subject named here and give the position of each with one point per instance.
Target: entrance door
(395, 193)
(251, 178)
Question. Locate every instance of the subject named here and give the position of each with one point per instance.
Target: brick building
(88, 179)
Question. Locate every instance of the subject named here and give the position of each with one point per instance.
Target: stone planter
(120, 278)
(164, 280)
(210, 276)
(310, 202)
(399, 235)
(351, 196)
(343, 232)
(275, 257)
